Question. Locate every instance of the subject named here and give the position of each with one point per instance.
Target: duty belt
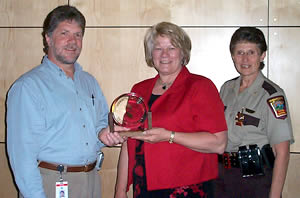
(229, 160)
(250, 159)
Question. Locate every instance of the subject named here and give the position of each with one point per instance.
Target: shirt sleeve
(102, 114)
(279, 127)
(24, 122)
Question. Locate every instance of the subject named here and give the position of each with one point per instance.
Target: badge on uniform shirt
(278, 107)
(239, 118)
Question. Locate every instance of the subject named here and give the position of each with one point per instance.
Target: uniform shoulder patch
(278, 107)
(269, 88)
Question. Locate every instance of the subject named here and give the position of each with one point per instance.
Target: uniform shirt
(263, 112)
(52, 118)
(191, 104)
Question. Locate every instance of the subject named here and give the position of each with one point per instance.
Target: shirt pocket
(251, 120)
(90, 103)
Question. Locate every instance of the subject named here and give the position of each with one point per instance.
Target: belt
(86, 168)
(229, 160)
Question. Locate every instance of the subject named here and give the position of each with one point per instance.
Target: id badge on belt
(61, 190)
(61, 187)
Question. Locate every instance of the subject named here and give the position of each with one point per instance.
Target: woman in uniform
(259, 125)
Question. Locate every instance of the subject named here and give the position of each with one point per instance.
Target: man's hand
(112, 138)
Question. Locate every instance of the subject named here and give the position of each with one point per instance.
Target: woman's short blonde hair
(176, 34)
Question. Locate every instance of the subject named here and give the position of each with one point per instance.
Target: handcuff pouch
(250, 160)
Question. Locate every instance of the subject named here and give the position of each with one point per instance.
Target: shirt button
(83, 126)
(80, 109)
(87, 144)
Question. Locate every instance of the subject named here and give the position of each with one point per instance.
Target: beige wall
(113, 52)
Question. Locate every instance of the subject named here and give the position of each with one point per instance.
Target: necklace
(165, 86)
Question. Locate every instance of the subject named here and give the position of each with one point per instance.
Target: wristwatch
(171, 140)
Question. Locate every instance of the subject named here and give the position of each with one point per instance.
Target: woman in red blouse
(178, 156)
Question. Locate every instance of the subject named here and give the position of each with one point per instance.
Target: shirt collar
(57, 69)
(255, 85)
(179, 81)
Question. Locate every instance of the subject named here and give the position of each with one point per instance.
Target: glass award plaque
(129, 110)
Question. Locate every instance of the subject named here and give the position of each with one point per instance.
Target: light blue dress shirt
(52, 118)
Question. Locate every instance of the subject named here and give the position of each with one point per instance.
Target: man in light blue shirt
(57, 115)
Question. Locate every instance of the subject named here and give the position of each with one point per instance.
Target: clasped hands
(153, 135)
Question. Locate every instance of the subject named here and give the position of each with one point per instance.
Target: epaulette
(269, 88)
(232, 79)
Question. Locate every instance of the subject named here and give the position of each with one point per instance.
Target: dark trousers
(231, 184)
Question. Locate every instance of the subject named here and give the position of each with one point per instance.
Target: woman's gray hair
(176, 34)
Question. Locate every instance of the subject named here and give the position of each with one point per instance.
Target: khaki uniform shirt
(258, 115)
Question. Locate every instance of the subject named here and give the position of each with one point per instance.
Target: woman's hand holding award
(129, 110)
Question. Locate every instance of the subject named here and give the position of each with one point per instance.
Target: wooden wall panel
(125, 54)
(20, 50)
(292, 183)
(113, 52)
(116, 58)
(124, 12)
(210, 54)
(204, 59)
(109, 172)
(7, 186)
(285, 70)
(26, 13)
(219, 12)
(284, 13)
(182, 12)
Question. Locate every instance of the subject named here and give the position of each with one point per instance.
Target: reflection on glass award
(129, 110)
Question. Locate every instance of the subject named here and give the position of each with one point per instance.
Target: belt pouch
(250, 161)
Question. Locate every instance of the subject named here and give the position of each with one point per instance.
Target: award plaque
(129, 110)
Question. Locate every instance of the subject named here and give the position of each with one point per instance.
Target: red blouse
(191, 104)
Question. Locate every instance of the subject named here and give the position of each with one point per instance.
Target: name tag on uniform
(61, 189)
